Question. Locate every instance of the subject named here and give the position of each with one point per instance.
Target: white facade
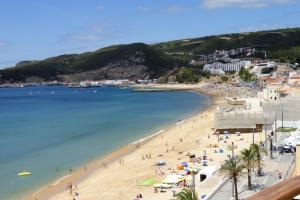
(227, 67)
(271, 93)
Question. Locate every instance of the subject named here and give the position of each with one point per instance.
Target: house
(294, 81)
(294, 78)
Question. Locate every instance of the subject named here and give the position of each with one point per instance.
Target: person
(174, 192)
(71, 188)
(279, 175)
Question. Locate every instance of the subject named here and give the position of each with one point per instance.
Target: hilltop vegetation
(277, 43)
(139, 61)
(154, 62)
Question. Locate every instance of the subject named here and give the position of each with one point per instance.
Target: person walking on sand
(71, 189)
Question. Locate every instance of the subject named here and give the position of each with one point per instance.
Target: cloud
(211, 4)
(263, 27)
(3, 44)
(175, 9)
(100, 7)
(145, 8)
(86, 37)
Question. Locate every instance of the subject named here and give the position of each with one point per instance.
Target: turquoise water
(43, 129)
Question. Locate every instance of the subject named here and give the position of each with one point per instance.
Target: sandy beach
(120, 174)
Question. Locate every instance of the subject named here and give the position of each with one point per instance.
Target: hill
(110, 62)
(139, 61)
(279, 44)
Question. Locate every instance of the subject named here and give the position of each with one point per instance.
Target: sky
(37, 29)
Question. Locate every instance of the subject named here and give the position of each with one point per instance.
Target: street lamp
(266, 137)
(253, 136)
(232, 154)
(271, 144)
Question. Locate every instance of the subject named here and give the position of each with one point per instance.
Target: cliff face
(132, 72)
(134, 61)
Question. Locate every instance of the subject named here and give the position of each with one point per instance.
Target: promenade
(281, 163)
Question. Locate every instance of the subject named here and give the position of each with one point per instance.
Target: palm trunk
(249, 180)
(259, 170)
(235, 189)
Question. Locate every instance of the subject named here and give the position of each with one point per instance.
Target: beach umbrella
(160, 163)
(185, 164)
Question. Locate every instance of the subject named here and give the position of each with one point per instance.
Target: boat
(24, 173)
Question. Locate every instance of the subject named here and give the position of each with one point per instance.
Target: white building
(227, 67)
(271, 93)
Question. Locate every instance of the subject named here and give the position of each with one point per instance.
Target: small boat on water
(24, 173)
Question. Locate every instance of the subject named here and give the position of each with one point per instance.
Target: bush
(190, 75)
(224, 78)
(245, 75)
(186, 75)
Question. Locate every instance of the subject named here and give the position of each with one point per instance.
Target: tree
(187, 194)
(248, 159)
(258, 151)
(233, 169)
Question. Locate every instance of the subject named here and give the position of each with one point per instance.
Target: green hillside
(272, 41)
(158, 59)
(157, 63)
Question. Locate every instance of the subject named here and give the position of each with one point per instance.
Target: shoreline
(81, 173)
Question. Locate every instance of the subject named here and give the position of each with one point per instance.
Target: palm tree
(258, 151)
(248, 159)
(233, 169)
(187, 194)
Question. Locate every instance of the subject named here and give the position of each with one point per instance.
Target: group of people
(147, 156)
(139, 197)
(121, 161)
(73, 190)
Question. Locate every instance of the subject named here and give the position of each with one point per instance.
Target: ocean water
(43, 129)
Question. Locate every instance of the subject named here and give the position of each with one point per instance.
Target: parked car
(287, 149)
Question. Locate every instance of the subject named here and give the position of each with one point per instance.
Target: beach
(120, 174)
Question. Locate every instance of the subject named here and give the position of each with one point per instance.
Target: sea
(49, 130)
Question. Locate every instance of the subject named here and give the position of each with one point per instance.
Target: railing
(283, 190)
(217, 189)
(290, 169)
